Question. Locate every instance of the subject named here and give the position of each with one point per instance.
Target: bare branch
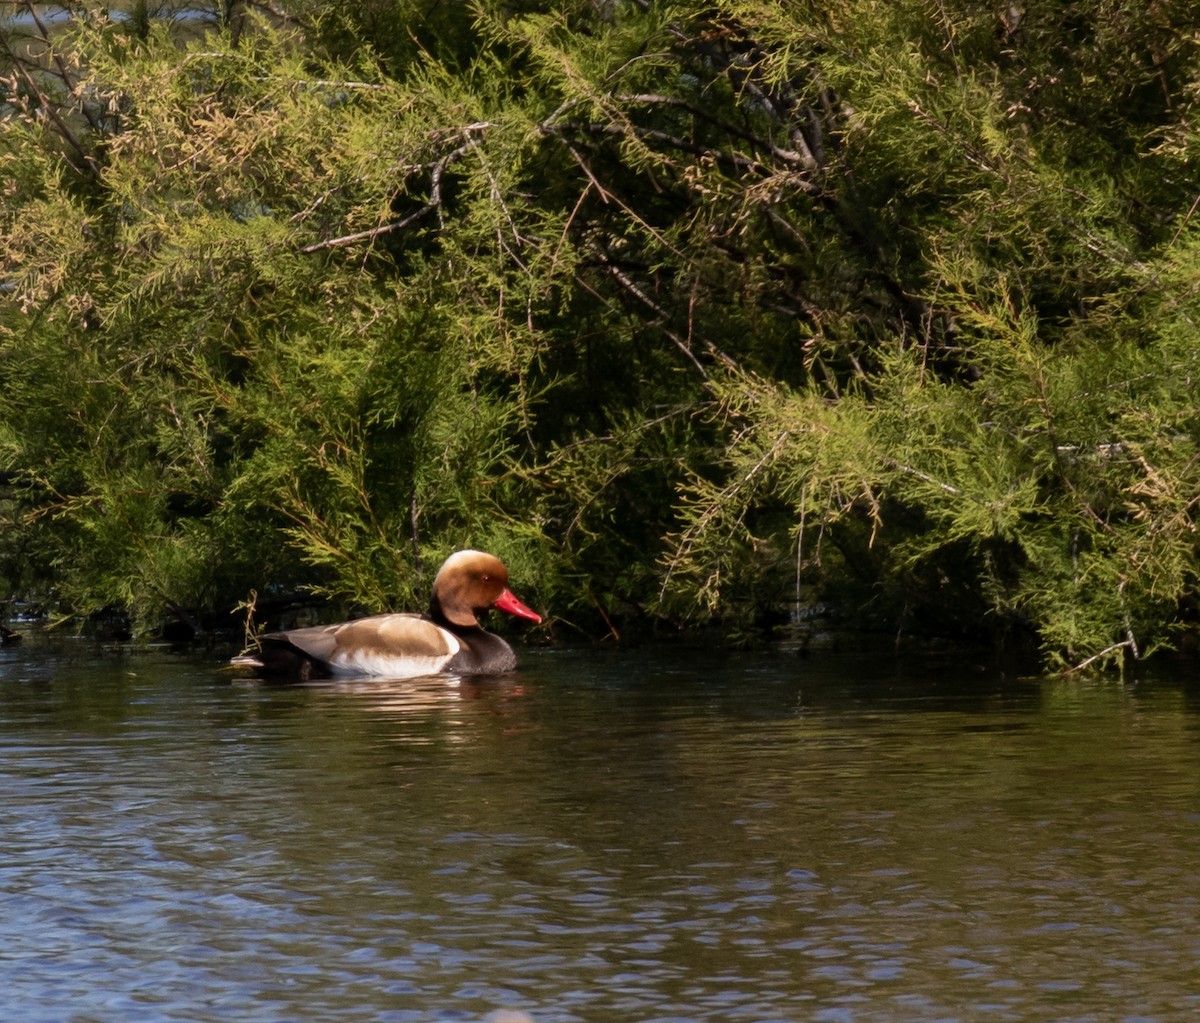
(738, 161)
(630, 286)
(278, 13)
(1125, 644)
(787, 155)
(58, 61)
(374, 232)
(87, 164)
(436, 171)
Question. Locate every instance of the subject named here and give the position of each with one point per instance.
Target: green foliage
(684, 311)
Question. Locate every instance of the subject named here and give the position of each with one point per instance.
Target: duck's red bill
(509, 603)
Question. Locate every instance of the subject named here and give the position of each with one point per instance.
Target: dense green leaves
(686, 312)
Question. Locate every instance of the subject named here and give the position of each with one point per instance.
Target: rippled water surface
(627, 837)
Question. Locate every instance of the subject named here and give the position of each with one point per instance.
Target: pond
(642, 836)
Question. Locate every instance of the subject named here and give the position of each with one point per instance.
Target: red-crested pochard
(448, 639)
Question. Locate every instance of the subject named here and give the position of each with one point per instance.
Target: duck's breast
(481, 653)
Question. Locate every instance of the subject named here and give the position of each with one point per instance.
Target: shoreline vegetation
(702, 317)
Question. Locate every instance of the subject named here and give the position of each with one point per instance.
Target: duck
(449, 639)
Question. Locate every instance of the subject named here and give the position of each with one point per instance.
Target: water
(650, 838)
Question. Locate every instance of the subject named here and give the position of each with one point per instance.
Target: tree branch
(87, 164)
(736, 160)
(374, 232)
(58, 62)
(1125, 644)
(436, 171)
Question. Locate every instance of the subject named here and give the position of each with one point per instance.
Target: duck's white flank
(389, 665)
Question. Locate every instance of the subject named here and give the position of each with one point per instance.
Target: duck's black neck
(439, 617)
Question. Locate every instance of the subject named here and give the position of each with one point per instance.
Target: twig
(736, 160)
(88, 164)
(62, 68)
(787, 155)
(249, 630)
(1123, 645)
(435, 201)
(661, 313)
(691, 536)
(925, 478)
(275, 12)
(374, 232)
